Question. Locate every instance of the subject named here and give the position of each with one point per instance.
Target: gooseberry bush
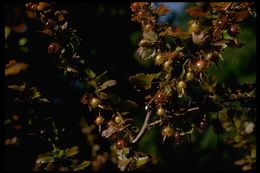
(182, 99)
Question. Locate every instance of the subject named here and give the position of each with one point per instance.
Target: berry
(159, 59)
(167, 132)
(200, 65)
(233, 30)
(120, 144)
(181, 85)
(118, 119)
(189, 76)
(141, 13)
(167, 64)
(31, 6)
(99, 120)
(160, 112)
(54, 48)
(94, 102)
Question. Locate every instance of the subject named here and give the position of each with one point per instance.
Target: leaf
(90, 73)
(123, 160)
(82, 166)
(43, 6)
(69, 152)
(21, 27)
(143, 81)
(198, 38)
(107, 84)
(146, 53)
(19, 88)
(102, 95)
(129, 105)
(47, 32)
(99, 77)
(15, 68)
(150, 36)
(64, 26)
(241, 15)
(35, 93)
(7, 31)
(43, 160)
(162, 10)
(196, 12)
(58, 154)
(141, 161)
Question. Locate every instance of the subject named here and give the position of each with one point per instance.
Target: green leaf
(129, 105)
(58, 153)
(90, 73)
(82, 166)
(143, 81)
(99, 77)
(35, 93)
(141, 161)
(7, 31)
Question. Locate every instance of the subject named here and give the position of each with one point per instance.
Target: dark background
(109, 43)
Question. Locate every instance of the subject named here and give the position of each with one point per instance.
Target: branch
(145, 125)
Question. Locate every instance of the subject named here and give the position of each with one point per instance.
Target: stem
(155, 123)
(145, 125)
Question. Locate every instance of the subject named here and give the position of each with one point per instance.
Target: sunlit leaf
(15, 68)
(141, 161)
(90, 73)
(196, 12)
(43, 160)
(69, 152)
(146, 53)
(19, 88)
(162, 10)
(107, 84)
(150, 36)
(7, 31)
(43, 6)
(82, 166)
(35, 93)
(143, 81)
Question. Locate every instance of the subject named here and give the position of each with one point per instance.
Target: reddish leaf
(242, 15)
(196, 12)
(162, 10)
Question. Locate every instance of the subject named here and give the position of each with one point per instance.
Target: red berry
(200, 65)
(120, 144)
(233, 30)
(49, 23)
(54, 48)
(31, 6)
(141, 13)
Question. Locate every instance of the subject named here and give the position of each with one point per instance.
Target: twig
(155, 123)
(145, 125)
